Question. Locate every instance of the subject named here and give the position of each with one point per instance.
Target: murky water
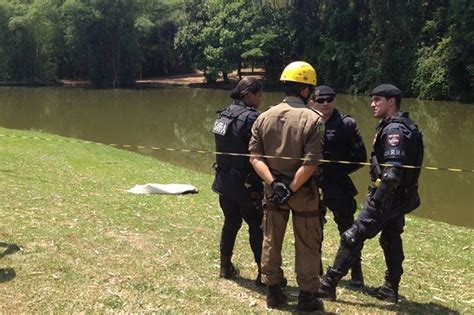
(182, 118)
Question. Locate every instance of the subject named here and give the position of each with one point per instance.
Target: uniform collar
(383, 122)
(242, 103)
(335, 114)
(294, 101)
(400, 114)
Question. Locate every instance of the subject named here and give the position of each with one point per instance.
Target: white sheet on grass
(170, 189)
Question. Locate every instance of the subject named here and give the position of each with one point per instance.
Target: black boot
(309, 302)
(327, 290)
(275, 296)
(357, 278)
(228, 270)
(387, 292)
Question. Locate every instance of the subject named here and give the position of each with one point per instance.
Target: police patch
(393, 140)
(220, 127)
(330, 134)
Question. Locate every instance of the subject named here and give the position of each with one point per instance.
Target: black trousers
(343, 209)
(234, 213)
(368, 225)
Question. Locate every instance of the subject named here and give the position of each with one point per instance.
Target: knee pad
(351, 237)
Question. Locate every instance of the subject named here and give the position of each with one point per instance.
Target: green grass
(89, 246)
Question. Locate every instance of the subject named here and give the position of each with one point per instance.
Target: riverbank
(89, 246)
(194, 79)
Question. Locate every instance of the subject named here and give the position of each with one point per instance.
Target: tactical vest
(230, 137)
(413, 149)
(334, 138)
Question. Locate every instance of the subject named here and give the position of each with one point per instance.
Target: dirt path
(190, 79)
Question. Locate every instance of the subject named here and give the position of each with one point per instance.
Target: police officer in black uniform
(398, 141)
(342, 142)
(240, 189)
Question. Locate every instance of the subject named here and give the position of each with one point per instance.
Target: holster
(374, 170)
(237, 184)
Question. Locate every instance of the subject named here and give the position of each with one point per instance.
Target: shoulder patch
(393, 139)
(220, 127)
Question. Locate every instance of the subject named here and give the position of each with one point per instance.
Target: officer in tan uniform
(290, 129)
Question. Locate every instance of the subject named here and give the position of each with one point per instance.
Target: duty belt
(311, 182)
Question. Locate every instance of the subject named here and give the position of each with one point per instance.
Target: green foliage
(389, 50)
(446, 58)
(156, 28)
(188, 40)
(216, 35)
(424, 47)
(432, 74)
(104, 32)
(340, 27)
(5, 13)
(108, 42)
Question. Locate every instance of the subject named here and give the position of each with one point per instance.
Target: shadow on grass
(404, 306)
(9, 249)
(290, 291)
(8, 274)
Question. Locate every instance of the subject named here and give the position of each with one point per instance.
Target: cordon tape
(141, 147)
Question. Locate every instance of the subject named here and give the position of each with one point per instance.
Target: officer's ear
(306, 92)
(392, 101)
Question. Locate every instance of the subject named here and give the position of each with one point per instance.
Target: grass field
(89, 246)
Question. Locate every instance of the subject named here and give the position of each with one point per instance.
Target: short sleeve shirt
(289, 129)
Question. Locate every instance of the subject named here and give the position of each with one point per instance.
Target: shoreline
(191, 80)
(80, 233)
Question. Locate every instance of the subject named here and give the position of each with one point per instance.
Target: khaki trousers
(308, 236)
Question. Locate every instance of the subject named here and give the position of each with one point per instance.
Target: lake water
(182, 118)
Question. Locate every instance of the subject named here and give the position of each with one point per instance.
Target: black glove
(281, 193)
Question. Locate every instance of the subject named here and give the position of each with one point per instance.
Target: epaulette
(315, 111)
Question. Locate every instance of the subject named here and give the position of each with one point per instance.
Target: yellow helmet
(299, 71)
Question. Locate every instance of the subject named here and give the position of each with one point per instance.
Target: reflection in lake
(182, 118)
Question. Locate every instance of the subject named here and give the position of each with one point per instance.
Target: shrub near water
(88, 245)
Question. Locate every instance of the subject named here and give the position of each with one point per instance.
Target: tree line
(425, 47)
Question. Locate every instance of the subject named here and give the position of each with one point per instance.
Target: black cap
(323, 90)
(387, 90)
